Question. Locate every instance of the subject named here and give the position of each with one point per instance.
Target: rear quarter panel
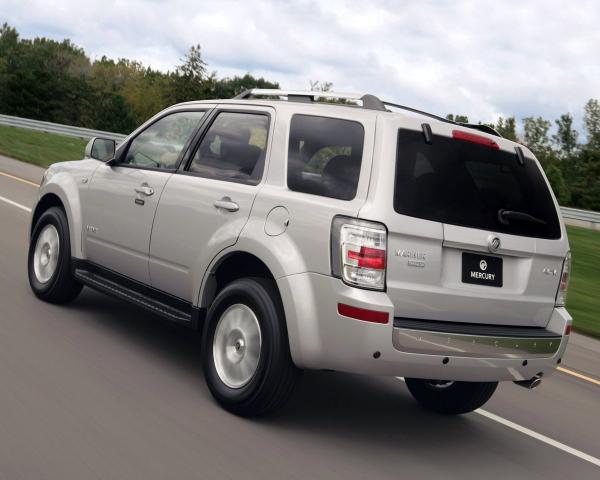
(304, 245)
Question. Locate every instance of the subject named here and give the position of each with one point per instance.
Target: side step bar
(115, 285)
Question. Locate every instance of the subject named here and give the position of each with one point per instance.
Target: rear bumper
(321, 338)
(465, 340)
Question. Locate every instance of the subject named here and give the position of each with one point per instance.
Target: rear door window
(233, 148)
(325, 156)
(462, 183)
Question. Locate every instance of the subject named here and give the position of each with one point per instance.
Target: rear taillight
(563, 286)
(358, 252)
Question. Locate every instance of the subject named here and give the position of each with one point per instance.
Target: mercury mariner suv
(315, 230)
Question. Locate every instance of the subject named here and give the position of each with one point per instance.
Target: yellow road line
(578, 375)
(19, 179)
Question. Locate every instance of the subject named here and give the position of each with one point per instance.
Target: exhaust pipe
(531, 383)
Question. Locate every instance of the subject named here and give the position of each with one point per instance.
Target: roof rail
(370, 102)
(294, 94)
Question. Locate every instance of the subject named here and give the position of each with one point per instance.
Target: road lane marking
(533, 434)
(15, 204)
(578, 375)
(19, 179)
(540, 437)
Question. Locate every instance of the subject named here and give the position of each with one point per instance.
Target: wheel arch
(227, 267)
(66, 196)
(46, 202)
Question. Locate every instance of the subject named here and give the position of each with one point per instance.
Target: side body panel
(118, 221)
(121, 204)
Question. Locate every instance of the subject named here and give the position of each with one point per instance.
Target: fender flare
(254, 244)
(64, 187)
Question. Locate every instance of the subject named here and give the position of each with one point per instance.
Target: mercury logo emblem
(493, 243)
(483, 265)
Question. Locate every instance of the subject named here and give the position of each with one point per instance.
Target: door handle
(227, 204)
(145, 190)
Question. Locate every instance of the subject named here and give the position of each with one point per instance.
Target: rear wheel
(49, 259)
(246, 357)
(449, 397)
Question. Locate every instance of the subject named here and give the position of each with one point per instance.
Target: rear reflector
(362, 314)
(473, 138)
(568, 329)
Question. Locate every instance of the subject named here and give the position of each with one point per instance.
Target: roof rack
(370, 102)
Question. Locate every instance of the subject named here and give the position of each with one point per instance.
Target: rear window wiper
(505, 216)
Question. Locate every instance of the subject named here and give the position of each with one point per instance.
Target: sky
(481, 58)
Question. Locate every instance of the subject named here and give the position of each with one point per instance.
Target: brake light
(568, 329)
(358, 252)
(368, 257)
(473, 138)
(563, 286)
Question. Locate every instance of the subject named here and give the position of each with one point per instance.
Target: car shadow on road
(179, 345)
(351, 410)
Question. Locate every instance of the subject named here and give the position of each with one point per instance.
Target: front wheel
(451, 398)
(246, 357)
(49, 259)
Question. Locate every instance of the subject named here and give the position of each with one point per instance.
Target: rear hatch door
(475, 236)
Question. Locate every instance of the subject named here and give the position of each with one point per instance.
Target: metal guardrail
(585, 216)
(58, 128)
(588, 216)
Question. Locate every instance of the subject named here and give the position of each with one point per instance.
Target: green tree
(507, 127)
(230, 87)
(44, 79)
(457, 118)
(113, 114)
(566, 136)
(55, 81)
(559, 186)
(188, 80)
(9, 39)
(535, 130)
(591, 121)
(584, 179)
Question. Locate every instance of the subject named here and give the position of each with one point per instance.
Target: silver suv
(349, 234)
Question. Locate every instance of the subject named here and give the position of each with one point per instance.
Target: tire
(450, 398)
(52, 284)
(257, 385)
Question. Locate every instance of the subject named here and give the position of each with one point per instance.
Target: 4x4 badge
(493, 243)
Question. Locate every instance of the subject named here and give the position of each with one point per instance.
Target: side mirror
(102, 149)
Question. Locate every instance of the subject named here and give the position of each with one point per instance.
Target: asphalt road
(100, 389)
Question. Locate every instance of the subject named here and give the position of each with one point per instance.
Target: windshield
(462, 183)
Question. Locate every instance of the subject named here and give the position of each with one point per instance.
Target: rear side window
(463, 183)
(233, 148)
(324, 156)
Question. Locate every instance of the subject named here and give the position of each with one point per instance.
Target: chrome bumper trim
(460, 345)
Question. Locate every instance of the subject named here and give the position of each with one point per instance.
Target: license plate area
(481, 269)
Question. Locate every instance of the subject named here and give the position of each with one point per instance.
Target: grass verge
(39, 148)
(583, 300)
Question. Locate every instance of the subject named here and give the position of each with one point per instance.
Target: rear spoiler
(481, 127)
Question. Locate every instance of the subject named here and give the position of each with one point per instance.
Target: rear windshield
(462, 183)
